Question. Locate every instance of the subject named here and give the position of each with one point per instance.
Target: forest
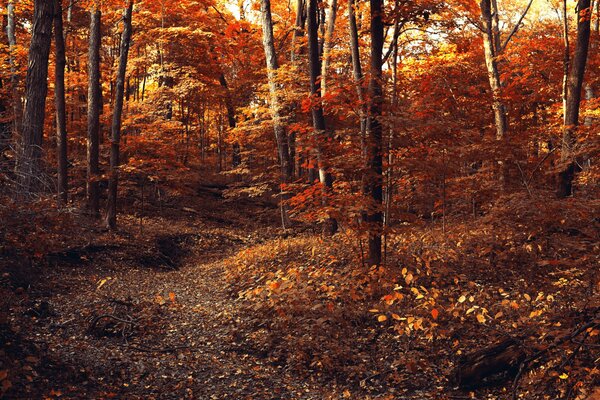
(300, 199)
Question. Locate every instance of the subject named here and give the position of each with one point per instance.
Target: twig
(157, 350)
(109, 316)
(538, 354)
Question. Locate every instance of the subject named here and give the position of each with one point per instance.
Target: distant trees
(418, 91)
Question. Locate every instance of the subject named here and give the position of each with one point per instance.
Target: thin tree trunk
(93, 113)
(573, 99)
(375, 135)
(299, 30)
(113, 182)
(14, 76)
(357, 72)
(491, 40)
(318, 117)
(29, 164)
(59, 101)
(327, 45)
(279, 129)
(236, 158)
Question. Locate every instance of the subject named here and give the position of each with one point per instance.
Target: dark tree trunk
(357, 71)
(375, 135)
(236, 158)
(299, 29)
(317, 109)
(111, 210)
(14, 76)
(59, 101)
(93, 113)
(573, 99)
(29, 165)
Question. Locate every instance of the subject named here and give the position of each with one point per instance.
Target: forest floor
(164, 309)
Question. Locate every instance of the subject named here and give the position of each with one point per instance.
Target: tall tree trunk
(327, 45)
(491, 47)
(317, 110)
(14, 76)
(573, 99)
(280, 132)
(93, 113)
(298, 29)
(374, 187)
(357, 72)
(59, 101)
(236, 158)
(29, 164)
(113, 182)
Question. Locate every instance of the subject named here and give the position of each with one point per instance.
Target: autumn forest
(300, 199)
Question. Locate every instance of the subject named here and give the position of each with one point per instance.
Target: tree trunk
(357, 73)
(299, 29)
(327, 45)
(236, 158)
(374, 186)
(491, 40)
(573, 99)
(318, 117)
(59, 101)
(14, 76)
(29, 164)
(111, 209)
(93, 113)
(280, 133)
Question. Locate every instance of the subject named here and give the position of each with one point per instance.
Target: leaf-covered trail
(152, 317)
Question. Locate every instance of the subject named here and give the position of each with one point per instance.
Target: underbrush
(528, 270)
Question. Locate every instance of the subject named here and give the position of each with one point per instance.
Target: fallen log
(489, 365)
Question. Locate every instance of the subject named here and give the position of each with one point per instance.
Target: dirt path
(148, 314)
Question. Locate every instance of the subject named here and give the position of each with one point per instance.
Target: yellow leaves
(527, 297)
(563, 376)
(160, 300)
(536, 313)
(103, 282)
(462, 299)
(416, 292)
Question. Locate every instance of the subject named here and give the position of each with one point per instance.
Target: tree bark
(280, 132)
(113, 182)
(29, 164)
(374, 186)
(327, 45)
(59, 101)
(236, 158)
(318, 116)
(573, 99)
(299, 30)
(357, 73)
(491, 40)
(14, 76)
(93, 113)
